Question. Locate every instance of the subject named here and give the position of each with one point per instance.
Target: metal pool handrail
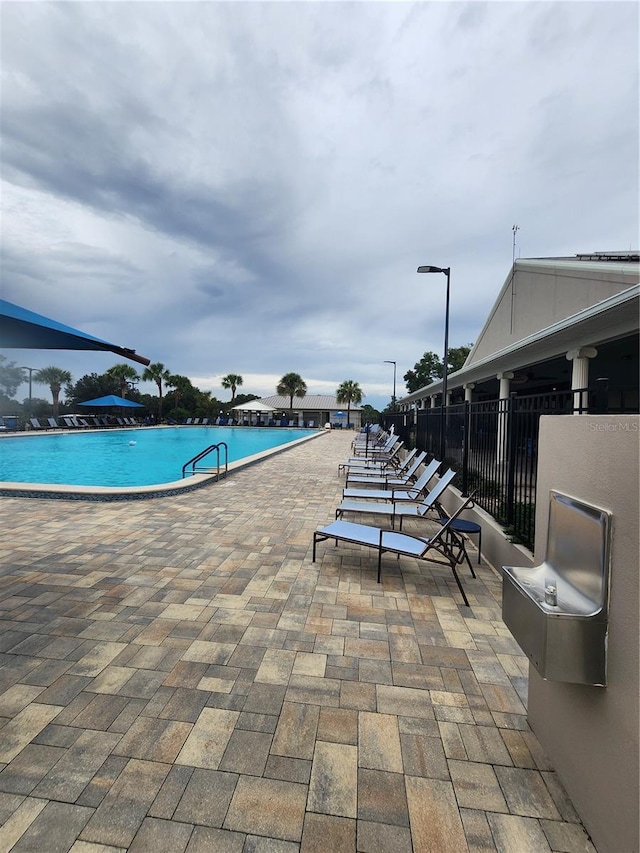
(201, 455)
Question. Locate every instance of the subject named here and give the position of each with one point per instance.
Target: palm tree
(157, 373)
(349, 392)
(55, 378)
(125, 375)
(232, 381)
(291, 385)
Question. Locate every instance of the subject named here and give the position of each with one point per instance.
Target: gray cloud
(250, 187)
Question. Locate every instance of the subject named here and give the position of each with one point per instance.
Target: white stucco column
(580, 376)
(505, 387)
(468, 392)
(505, 383)
(433, 399)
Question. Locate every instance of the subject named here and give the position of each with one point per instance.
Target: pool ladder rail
(207, 469)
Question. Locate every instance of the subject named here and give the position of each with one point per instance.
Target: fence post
(465, 448)
(511, 457)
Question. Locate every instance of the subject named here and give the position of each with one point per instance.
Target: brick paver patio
(177, 675)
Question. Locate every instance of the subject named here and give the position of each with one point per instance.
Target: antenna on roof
(515, 229)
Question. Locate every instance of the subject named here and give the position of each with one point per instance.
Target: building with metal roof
(319, 408)
(557, 324)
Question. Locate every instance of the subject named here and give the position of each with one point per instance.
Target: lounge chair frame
(376, 463)
(446, 549)
(401, 509)
(399, 476)
(398, 493)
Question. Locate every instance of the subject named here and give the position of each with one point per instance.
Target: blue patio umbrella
(112, 400)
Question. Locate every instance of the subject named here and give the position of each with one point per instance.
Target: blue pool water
(138, 457)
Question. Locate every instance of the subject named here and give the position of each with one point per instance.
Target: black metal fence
(493, 446)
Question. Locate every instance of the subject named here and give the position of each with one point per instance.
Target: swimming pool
(124, 458)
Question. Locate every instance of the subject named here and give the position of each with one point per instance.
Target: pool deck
(177, 675)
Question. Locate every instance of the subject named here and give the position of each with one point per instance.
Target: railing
(200, 456)
(493, 445)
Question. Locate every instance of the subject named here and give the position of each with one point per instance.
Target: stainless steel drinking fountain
(558, 611)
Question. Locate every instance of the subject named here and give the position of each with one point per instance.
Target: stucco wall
(591, 733)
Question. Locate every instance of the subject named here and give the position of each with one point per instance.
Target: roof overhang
(615, 317)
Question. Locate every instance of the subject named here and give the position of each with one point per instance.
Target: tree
(457, 357)
(349, 392)
(424, 372)
(369, 414)
(11, 376)
(157, 373)
(89, 387)
(125, 375)
(429, 368)
(291, 385)
(55, 378)
(182, 387)
(231, 381)
(246, 398)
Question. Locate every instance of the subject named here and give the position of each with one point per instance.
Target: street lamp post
(393, 404)
(30, 369)
(445, 364)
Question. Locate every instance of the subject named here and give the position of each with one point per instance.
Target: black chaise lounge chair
(380, 467)
(398, 493)
(404, 509)
(438, 548)
(403, 475)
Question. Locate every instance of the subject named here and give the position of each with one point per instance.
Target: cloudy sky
(249, 187)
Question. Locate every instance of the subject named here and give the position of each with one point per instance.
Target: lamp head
(433, 269)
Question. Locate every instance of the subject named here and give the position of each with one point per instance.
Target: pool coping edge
(56, 491)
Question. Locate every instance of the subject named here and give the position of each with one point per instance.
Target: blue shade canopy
(112, 400)
(23, 329)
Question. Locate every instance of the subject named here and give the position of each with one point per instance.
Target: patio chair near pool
(383, 444)
(375, 437)
(380, 461)
(69, 422)
(375, 450)
(35, 423)
(408, 493)
(401, 510)
(434, 549)
(403, 475)
(377, 455)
